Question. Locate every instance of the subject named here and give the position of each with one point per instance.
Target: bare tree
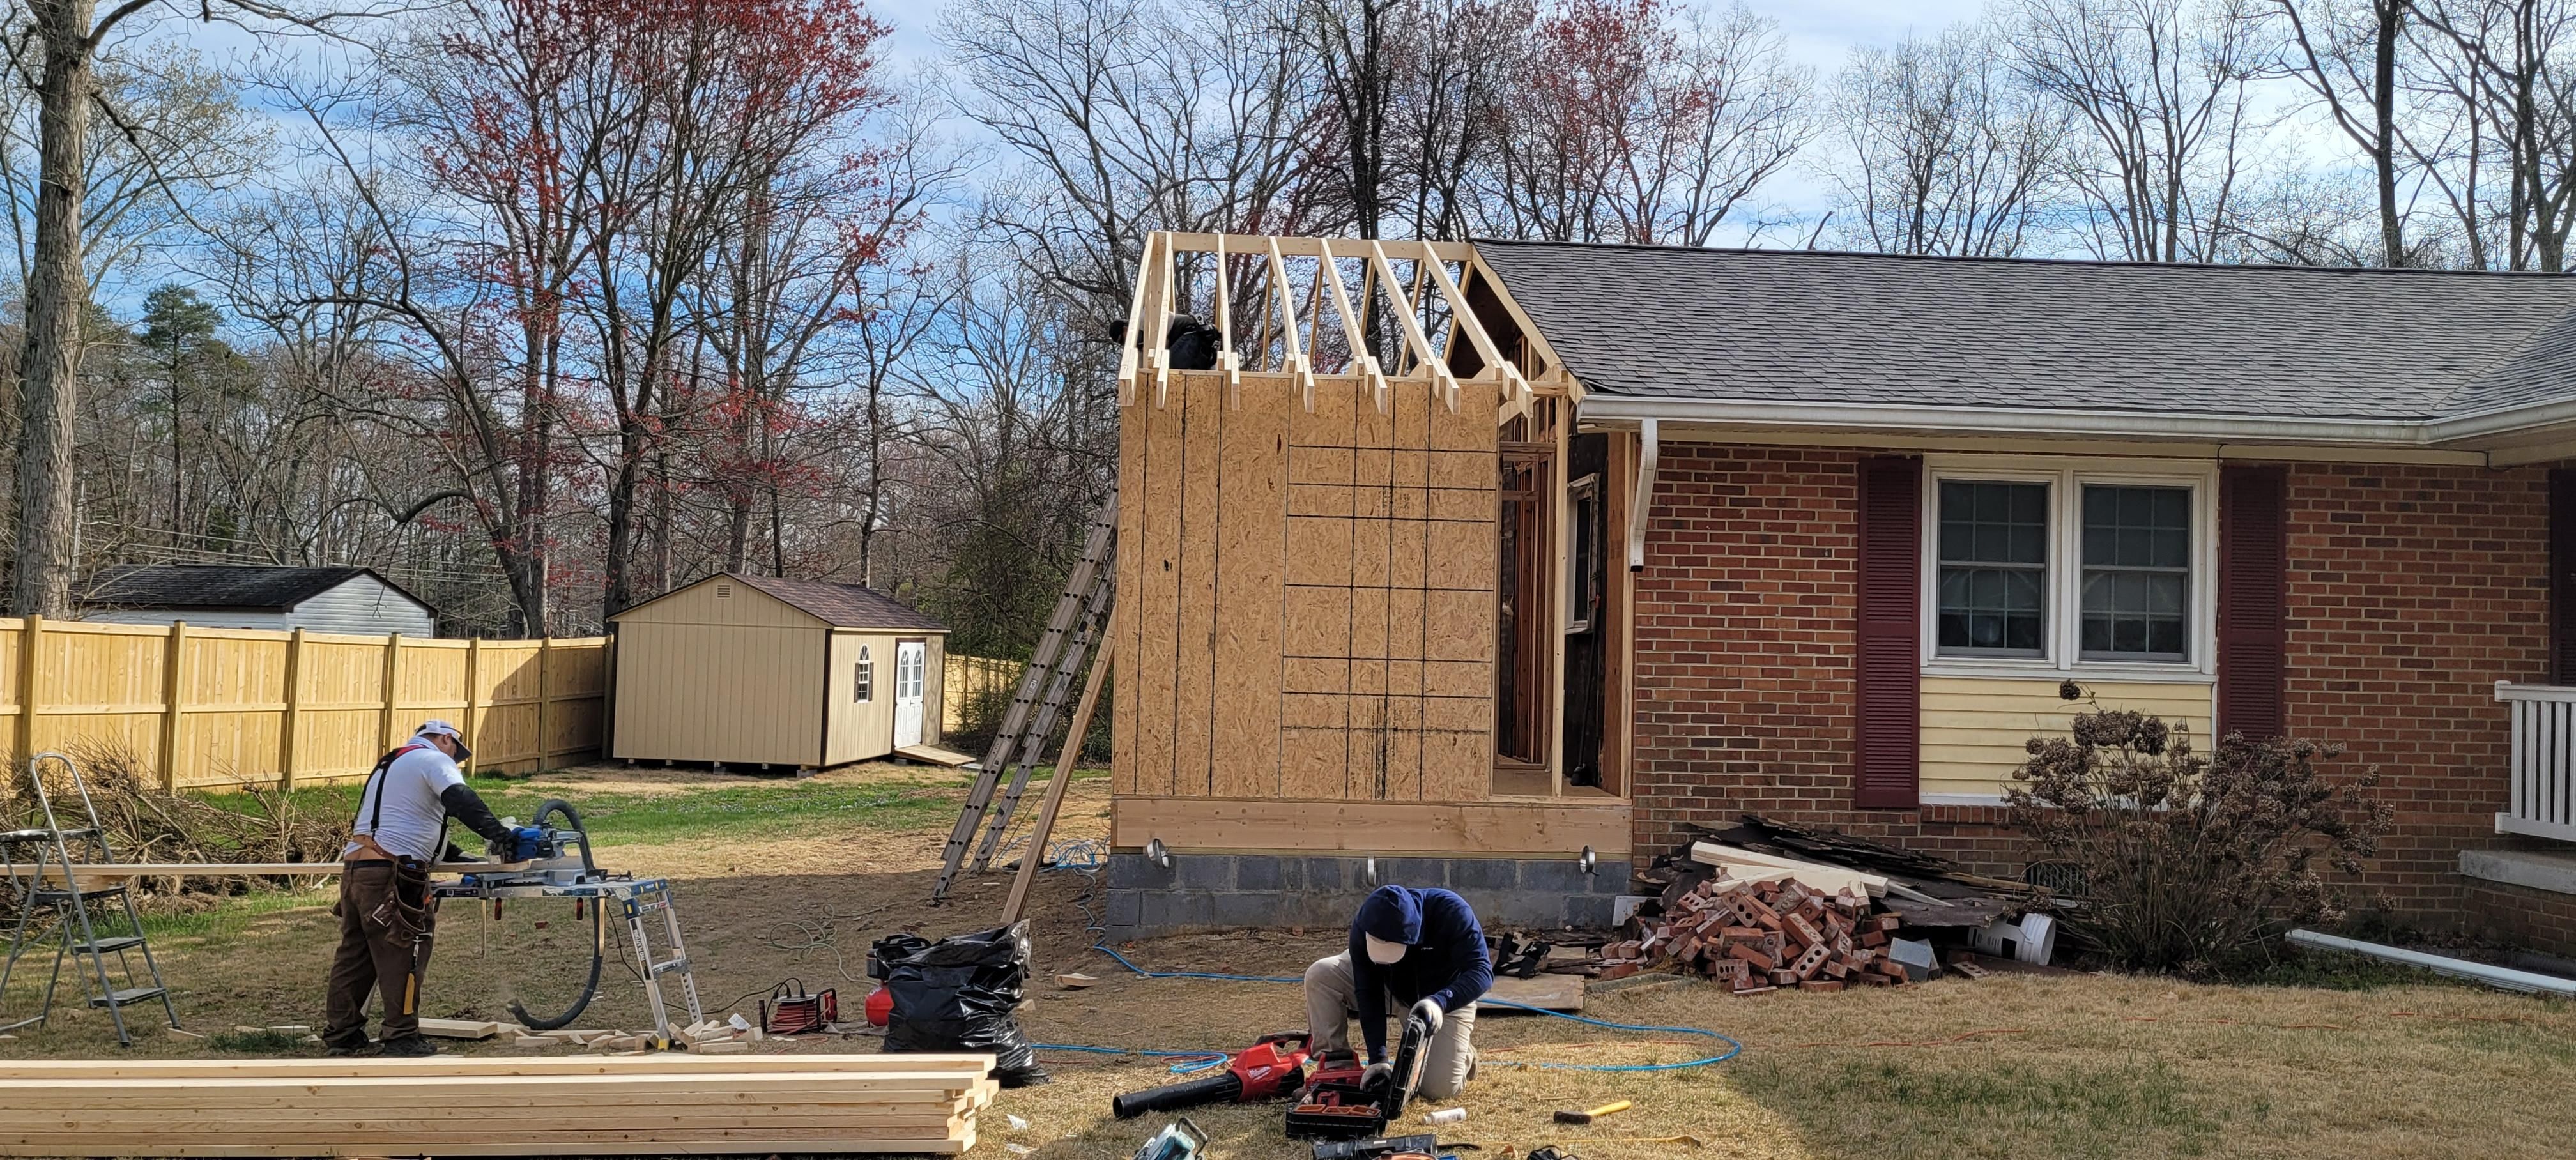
(2511, 55)
(2346, 53)
(1943, 150)
(2160, 90)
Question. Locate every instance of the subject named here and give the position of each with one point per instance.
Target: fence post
(473, 697)
(393, 686)
(174, 656)
(545, 704)
(30, 637)
(287, 724)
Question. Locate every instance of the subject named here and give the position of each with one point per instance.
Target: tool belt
(408, 910)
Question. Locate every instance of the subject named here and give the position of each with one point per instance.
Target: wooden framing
(1287, 345)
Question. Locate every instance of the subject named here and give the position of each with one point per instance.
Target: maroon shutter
(1888, 731)
(2562, 576)
(2253, 572)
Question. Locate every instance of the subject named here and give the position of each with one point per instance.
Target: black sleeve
(464, 806)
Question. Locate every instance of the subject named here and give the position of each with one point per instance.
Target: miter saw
(539, 860)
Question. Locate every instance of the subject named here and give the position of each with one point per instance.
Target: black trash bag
(899, 945)
(958, 994)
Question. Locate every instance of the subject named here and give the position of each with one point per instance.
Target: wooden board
(1546, 992)
(656, 1104)
(1815, 875)
(935, 755)
(102, 871)
(1495, 828)
(467, 1028)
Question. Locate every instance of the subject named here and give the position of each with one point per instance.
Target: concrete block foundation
(1229, 891)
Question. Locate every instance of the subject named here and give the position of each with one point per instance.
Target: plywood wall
(1974, 727)
(1306, 598)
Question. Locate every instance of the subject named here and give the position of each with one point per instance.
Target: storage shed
(756, 670)
(345, 600)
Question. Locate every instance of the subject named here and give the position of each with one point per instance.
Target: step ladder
(650, 898)
(1081, 616)
(39, 864)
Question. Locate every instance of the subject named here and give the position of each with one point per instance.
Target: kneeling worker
(1409, 948)
(386, 917)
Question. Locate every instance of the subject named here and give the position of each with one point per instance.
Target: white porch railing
(2544, 761)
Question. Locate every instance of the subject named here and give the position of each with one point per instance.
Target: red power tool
(1266, 1070)
(1338, 1105)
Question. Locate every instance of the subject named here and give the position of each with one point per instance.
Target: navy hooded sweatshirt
(1446, 963)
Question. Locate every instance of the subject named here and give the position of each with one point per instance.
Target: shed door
(910, 658)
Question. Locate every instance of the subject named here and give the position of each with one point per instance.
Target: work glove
(1377, 1076)
(1428, 1011)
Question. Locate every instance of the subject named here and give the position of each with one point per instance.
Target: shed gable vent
(724, 591)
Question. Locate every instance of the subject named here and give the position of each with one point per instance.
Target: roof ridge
(2030, 260)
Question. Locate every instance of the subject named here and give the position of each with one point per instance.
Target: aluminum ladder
(74, 916)
(1081, 616)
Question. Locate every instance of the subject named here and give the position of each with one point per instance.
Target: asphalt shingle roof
(842, 605)
(2258, 341)
(214, 585)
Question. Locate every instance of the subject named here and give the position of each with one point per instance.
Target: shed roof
(830, 601)
(1810, 327)
(220, 585)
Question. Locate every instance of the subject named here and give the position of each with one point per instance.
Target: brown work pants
(376, 954)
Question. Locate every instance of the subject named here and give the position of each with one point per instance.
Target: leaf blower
(1266, 1070)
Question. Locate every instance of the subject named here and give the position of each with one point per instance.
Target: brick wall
(1744, 646)
(2412, 590)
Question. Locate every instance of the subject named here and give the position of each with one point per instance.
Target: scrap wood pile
(1746, 910)
(647, 1105)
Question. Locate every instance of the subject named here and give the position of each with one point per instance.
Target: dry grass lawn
(786, 878)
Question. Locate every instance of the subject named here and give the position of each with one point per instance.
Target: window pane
(2137, 527)
(2135, 614)
(1991, 593)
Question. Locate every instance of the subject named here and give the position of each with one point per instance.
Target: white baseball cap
(438, 727)
(1383, 952)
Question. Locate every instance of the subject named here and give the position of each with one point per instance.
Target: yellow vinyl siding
(1974, 727)
(862, 731)
(739, 694)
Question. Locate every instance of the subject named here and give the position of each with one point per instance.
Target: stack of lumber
(1765, 930)
(655, 1104)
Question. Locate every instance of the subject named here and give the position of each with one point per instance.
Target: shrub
(2192, 865)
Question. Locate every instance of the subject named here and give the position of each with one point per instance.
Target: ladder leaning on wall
(53, 889)
(1081, 618)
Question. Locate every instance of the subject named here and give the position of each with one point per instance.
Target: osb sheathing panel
(1308, 596)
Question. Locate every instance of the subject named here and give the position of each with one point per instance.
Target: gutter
(1625, 410)
(2507, 978)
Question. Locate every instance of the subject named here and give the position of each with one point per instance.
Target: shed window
(1994, 568)
(863, 678)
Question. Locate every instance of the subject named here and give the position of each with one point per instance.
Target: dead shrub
(143, 823)
(2192, 865)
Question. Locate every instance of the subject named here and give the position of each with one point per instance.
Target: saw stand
(635, 898)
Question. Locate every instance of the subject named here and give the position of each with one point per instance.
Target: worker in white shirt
(386, 914)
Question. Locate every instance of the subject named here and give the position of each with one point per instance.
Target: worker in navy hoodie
(1410, 950)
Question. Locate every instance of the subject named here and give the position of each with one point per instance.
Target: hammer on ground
(1589, 1115)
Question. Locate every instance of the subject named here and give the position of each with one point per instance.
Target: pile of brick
(1760, 935)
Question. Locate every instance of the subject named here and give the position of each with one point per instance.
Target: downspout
(1647, 448)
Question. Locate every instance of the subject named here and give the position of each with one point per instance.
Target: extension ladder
(1081, 618)
(68, 900)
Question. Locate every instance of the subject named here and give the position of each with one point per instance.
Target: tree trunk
(49, 389)
(2392, 232)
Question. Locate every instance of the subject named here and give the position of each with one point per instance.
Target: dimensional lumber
(108, 870)
(1815, 874)
(1545, 992)
(1073, 739)
(657, 1104)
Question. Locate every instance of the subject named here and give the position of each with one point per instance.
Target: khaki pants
(1332, 1002)
(373, 957)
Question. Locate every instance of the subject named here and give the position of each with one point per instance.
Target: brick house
(1629, 538)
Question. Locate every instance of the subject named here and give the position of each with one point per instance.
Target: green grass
(2088, 1110)
(751, 809)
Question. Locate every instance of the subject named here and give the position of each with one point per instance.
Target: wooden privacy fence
(970, 680)
(223, 706)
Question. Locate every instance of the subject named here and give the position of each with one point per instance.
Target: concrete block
(2555, 873)
(1413, 872)
(1611, 878)
(1557, 876)
(1125, 906)
(1328, 873)
(1247, 908)
(1589, 911)
(1260, 872)
(1204, 871)
(1473, 874)
(1133, 872)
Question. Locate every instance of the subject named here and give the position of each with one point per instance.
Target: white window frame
(2062, 636)
(863, 678)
